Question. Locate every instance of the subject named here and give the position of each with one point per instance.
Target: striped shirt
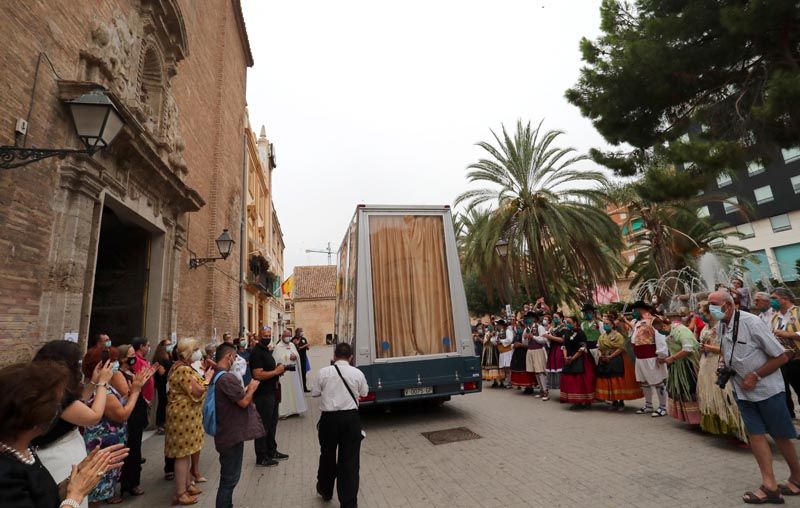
(755, 345)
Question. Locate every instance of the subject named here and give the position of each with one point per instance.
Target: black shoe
(307, 391)
(267, 463)
(323, 495)
(280, 456)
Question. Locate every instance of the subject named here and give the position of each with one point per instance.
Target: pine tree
(725, 71)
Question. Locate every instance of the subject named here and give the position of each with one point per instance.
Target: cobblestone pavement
(531, 453)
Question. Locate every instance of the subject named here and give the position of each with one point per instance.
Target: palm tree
(673, 234)
(550, 212)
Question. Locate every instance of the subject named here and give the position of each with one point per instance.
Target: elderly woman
(616, 378)
(184, 428)
(682, 375)
(719, 413)
(62, 445)
(112, 428)
(31, 395)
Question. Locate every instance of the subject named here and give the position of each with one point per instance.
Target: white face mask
(197, 356)
(286, 340)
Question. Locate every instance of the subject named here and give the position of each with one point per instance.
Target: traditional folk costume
(578, 378)
(789, 321)
(719, 413)
(292, 400)
(555, 357)
(682, 378)
(490, 359)
(520, 377)
(505, 349)
(536, 358)
(616, 378)
(648, 346)
(592, 329)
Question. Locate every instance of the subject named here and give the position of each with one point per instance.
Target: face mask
(606, 327)
(570, 326)
(286, 340)
(637, 314)
(545, 322)
(197, 356)
(170, 348)
(115, 367)
(132, 361)
(775, 304)
(107, 343)
(556, 320)
(716, 312)
(589, 316)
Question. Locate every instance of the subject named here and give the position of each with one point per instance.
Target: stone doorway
(122, 273)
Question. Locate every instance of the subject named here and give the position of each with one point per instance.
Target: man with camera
(752, 359)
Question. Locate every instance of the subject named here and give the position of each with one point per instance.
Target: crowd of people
(71, 434)
(675, 361)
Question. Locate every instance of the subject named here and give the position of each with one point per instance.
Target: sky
(381, 102)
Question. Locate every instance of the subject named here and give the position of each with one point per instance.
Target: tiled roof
(314, 282)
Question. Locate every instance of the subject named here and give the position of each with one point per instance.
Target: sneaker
(644, 410)
(658, 413)
(280, 456)
(267, 463)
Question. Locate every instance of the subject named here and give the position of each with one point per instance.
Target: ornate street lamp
(501, 247)
(97, 123)
(224, 246)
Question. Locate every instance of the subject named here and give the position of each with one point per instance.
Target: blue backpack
(210, 407)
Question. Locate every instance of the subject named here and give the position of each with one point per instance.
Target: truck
(400, 304)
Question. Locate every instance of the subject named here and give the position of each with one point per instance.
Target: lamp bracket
(14, 156)
(195, 262)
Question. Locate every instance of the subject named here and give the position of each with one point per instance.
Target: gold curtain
(410, 286)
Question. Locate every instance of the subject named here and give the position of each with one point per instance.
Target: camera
(724, 374)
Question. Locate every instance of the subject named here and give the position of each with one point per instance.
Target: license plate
(425, 390)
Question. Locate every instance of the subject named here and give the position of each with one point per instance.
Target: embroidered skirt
(682, 391)
(519, 375)
(622, 387)
(555, 362)
(719, 413)
(579, 388)
(489, 360)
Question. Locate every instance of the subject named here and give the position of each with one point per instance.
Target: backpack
(210, 407)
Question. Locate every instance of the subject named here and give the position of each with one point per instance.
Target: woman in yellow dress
(184, 427)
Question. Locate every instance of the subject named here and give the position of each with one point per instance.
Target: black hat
(531, 314)
(500, 322)
(588, 307)
(641, 304)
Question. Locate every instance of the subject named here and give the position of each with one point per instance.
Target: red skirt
(579, 388)
(523, 379)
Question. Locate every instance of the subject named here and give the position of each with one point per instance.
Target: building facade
(263, 264)
(313, 301)
(762, 203)
(101, 243)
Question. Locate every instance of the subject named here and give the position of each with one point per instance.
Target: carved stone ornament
(115, 50)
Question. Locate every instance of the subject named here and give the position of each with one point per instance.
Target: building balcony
(260, 277)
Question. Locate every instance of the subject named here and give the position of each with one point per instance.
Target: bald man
(754, 354)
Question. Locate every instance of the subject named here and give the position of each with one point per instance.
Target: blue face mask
(107, 343)
(775, 304)
(556, 320)
(636, 314)
(716, 312)
(570, 326)
(115, 367)
(589, 316)
(170, 348)
(606, 327)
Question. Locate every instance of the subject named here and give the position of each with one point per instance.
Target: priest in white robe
(292, 398)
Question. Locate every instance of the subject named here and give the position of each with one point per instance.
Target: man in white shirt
(339, 426)
(762, 306)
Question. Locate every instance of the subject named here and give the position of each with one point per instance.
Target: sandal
(786, 490)
(184, 500)
(772, 497)
(194, 490)
(644, 410)
(169, 476)
(114, 500)
(199, 479)
(659, 413)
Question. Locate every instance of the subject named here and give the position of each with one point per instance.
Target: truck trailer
(401, 305)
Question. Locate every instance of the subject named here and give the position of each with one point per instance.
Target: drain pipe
(242, 232)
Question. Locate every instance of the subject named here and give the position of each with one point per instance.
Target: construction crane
(327, 251)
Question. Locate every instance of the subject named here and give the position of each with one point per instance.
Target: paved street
(532, 453)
